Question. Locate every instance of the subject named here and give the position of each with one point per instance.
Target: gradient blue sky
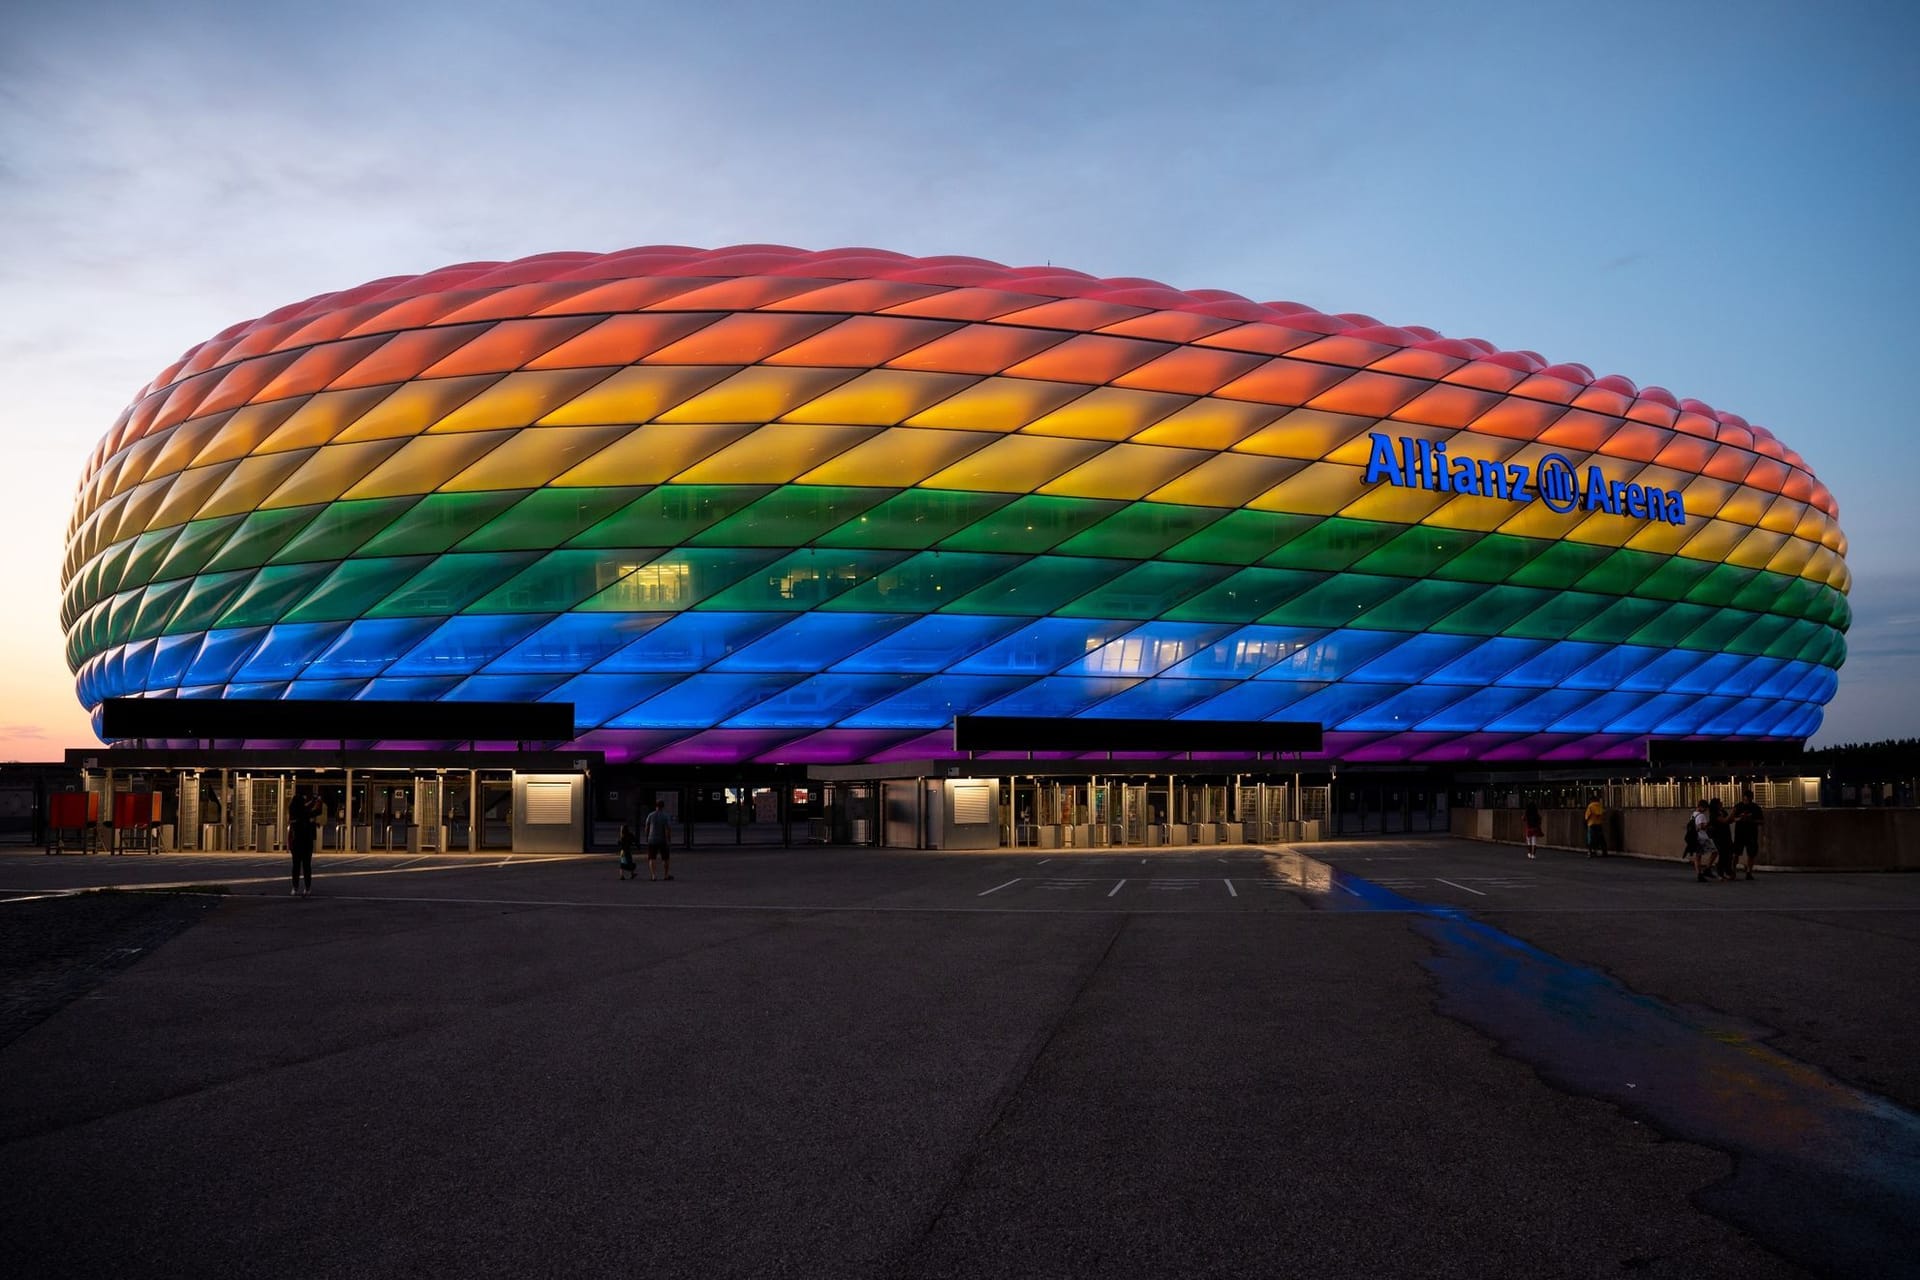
(1715, 198)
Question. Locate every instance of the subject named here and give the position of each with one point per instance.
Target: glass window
(547, 518)
(1038, 586)
(1334, 656)
(1333, 543)
(804, 579)
(1242, 654)
(931, 643)
(915, 519)
(561, 579)
(1045, 645)
(669, 515)
(679, 579)
(1247, 595)
(691, 641)
(1148, 650)
(1031, 524)
(923, 583)
(792, 516)
(1145, 591)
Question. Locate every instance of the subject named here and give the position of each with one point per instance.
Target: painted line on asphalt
(1230, 889)
(1118, 887)
(997, 888)
(1460, 886)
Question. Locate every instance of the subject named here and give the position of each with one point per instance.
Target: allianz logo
(1423, 464)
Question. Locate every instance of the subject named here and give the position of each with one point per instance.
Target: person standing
(1596, 828)
(659, 833)
(1746, 829)
(1722, 832)
(302, 826)
(1532, 821)
(1700, 846)
(627, 844)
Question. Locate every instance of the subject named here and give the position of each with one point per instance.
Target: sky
(1719, 199)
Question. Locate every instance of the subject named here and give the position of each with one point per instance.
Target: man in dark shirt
(1746, 830)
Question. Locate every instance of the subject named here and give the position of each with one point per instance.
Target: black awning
(1054, 733)
(272, 719)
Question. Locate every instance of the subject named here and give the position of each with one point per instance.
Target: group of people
(658, 832)
(1718, 841)
(1596, 820)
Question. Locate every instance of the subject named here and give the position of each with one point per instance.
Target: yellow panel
(1602, 530)
(321, 418)
(653, 454)
(774, 454)
(1313, 434)
(1107, 413)
(1226, 480)
(1209, 424)
(896, 457)
(330, 471)
(136, 461)
(136, 516)
(424, 463)
(188, 490)
(1392, 503)
(1713, 540)
(1358, 451)
(243, 431)
(1466, 511)
(413, 407)
(1783, 515)
(1662, 538)
(634, 395)
(532, 457)
(1745, 506)
(1813, 524)
(1793, 557)
(756, 394)
(248, 484)
(998, 404)
(1651, 477)
(880, 397)
(1128, 471)
(1704, 497)
(1756, 549)
(1319, 490)
(1013, 464)
(186, 440)
(519, 399)
(1538, 520)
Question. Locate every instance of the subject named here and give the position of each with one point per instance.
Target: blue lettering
(1596, 497)
(1466, 477)
(1441, 480)
(1426, 464)
(1517, 482)
(1493, 480)
(1636, 500)
(1381, 464)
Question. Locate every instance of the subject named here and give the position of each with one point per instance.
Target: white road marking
(1351, 890)
(997, 888)
(1476, 892)
(1121, 885)
(1230, 889)
(1043, 862)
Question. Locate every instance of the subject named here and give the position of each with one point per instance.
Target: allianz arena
(761, 504)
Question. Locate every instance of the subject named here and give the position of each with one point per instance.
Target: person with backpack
(1596, 828)
(628, 843)
(659, 833)
(1700, 847)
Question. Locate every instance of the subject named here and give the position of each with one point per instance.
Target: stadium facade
(763, 505)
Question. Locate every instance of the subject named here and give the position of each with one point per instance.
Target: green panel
(1839, 611)
(113, 566)
(1760, 634)
(1039, 586)
(120, 614)
(671, 514)
(547, 518)
(450, 583)
(1793, 638)
(1559, 616)
(1835, 652)
(679, 580)
(1719, 631)
(149, 552)
(925, 582)
(561, 579)
(342, 528)
(1561, 565)
(1672, 580)
(355, 587)
(1672, 624)
(1419, 606)
(1621, 573)
(1492, 610)
(1242, 537)
(206, 600)
(260, 535)
(1145, 591)
(1721, 585)
(273, 591)
(1418, 552)
(1337, 601)
(1247, 595)
(438, 521)
(1763, 593)
(1141, 531)
(1032, 524)
(198, 541)
(793, 516)
(156, 604)
(804, 579)
(1624, 618)
(1334, 543)
(916, 519)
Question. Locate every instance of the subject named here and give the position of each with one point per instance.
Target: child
(627, 845)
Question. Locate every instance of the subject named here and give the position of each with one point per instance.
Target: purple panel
(831, 746)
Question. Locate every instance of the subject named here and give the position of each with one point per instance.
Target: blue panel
(266, 689)
(1477, 710)
(1409, 708)
(1552, 667)
(701, 701)
(503, 688)
(288, 648)
(1658, 676)
(1615, 665)
(1598, 714)
(1730, 717)
(1417, 659)
(597, 699)
(1803, 725)
(934, 702)
(222, 655)
(1334, 705)
(1335, 656)
(463, 645)
(819, 701)
(112, 676)
(692, 641)
(1253, 700)
(813, 642)
(1689, 718)
(1772, 677)
(1651, 710)
(574, 642)
(332, 690)
(1711, 676)
(406, 689)
(1543, 710)
(171, 657)
(1491, 660)
(368, 645)
(1817, 682)
(1057, 696)
(1148, 649)
(1246, 652)
(139, 660)
(1159, 699)
(932, 643)
(1044, 645)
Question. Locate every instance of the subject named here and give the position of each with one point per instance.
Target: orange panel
(515, 301)
(740, 339)
(855, 296)
(1517, 419)
(1739, 437)
(1684, 453)
(1089, 358)
(1283, 381)
(412, 407)
(966, 304)
(517, 399)
(1209, 424)
(1697, 424)
(620, 340)
(1078, 314)
(1190, 371)
(1107, 413)
(1636, 441)
(507, 346)
(635, 394)
(740, 293)
(424, 309)
(1600, 400)
(329, 472)
(622, 295)
(1415, 363)
(1354, 353)
(329, 327)
(1578, 429)
(317, 367)
(1650, 411)
(1261, 339)
(244, 430)
(241, 385)
(1768, 474)
(186, 440)
(1373, 395)
(1168, 326)
(1729, 463)
(404, 355)
(1446, 406)
(319, 419)
(861, 342)
(997, 404)
(1488, 377)
(978, 348)
(1539, 386)
(1798, 485)
(880, 397)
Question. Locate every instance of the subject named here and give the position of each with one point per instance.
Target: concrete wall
(1798, 839)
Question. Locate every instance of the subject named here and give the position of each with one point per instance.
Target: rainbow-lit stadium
(758, 504)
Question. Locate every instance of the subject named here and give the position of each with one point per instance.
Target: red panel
(1418, 362)
(1089, 358)
(740, 339)
(978, 348)
(622, 339)
(1578, 429)
(513, 302)
(1079, 314)
(1168, 326)
(404, 355)
(1684, 453)
(863, 342)
(740, 295)
(1729, 463)
(1444, 406)
(1517, 419)
(1486, 376)
(623, 295)
(1266, 339)
(1355, 353)
(507, 345)
(317, 367)
(966, 304)
(1369, 395)
(1637, 441)
(1769, 474)
(857, 297)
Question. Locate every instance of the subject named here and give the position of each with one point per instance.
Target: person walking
(628, 843)
(1746, 829)
(1532, 820)
(1700, 846)
(659, 833)
(302, 826)
(1596, 828)
(1722, 832)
